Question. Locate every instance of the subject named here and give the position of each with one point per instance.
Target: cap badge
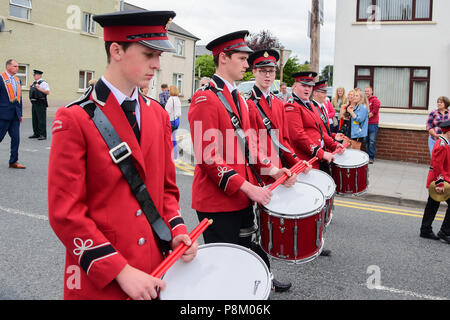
(168, 23)
(266, 54)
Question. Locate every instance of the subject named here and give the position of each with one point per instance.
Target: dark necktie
(235, 95)
(129, 107)
(268, 101)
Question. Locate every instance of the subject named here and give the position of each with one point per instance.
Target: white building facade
(401, 48)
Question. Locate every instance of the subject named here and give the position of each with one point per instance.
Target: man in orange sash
(11, 110)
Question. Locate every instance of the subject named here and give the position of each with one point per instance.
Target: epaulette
(83, 98)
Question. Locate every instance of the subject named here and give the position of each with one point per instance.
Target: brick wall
(402, 145)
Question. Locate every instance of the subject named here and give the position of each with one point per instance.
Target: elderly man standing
(11, 110)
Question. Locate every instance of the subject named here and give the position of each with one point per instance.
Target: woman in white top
(173, 107)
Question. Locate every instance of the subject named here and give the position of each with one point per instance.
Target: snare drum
(350, 171)
(292, 223)
(326, 184)
(220, 271)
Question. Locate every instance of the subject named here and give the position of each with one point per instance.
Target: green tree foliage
(327, 74)
(204, 64)
(292, 66)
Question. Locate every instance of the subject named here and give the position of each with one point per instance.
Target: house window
(88, 25)
(394, 10)
(20, 9)
(396, 87)
(22, 74)
(84, 78)
(178, 82)
(179, 47)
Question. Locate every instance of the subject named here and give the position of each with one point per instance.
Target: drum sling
(270, 131)
(120, 153)
(240, 134)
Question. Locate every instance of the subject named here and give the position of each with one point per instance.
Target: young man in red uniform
(307, 132)
(267, 113)
(111, 244)
(228, 170)
(440, 175)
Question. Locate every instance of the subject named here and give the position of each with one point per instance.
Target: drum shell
(295, 239)
(354, 181)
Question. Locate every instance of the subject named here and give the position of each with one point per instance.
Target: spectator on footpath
(164, 95)
(173, 107)
(372, 132)
(359, 113)
(344, 115)
(284, 95)
(11, 110)
(339, 99)
(439, 179)
(435, 118)
(39, 91)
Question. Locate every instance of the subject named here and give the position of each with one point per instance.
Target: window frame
(412, 79)
(92, 27)
(177, 40)
(180, 79)
(28, 9)
(24, 75)
(413, 17)
(85, 79)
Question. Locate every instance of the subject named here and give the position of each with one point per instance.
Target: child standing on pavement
(440, 175)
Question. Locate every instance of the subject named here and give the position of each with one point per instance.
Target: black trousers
(233, 227)
(430, 213)
(39, 118)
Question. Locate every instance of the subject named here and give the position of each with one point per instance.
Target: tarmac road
(373, 245)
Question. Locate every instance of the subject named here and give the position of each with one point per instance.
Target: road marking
(184, 167)
(23, 213)
(408, 293)
(439, 217)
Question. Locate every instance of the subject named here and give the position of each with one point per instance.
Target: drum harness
(240, 134)
(270, 131)
(120, 153)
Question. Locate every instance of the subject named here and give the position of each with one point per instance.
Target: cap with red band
(149, 28)
(305, 77)
(321, 85)
(230, 42)
(263, 58)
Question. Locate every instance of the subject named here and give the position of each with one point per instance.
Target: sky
(287, 20)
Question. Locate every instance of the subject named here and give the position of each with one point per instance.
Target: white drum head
(220, 271)
(301, 199)
(351, 159)
(319, 179)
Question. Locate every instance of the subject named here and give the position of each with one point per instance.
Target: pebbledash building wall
(402, 49)
(61, 39)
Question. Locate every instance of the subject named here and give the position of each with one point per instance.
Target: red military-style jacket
(440, 162)
(221, 167)
(306, 131)
(277, 116)
(91, 207)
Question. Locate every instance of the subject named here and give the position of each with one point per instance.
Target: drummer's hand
(440, 189)
(339, 136)
(139, 285)
(308, 167)
(328, 156)
(289, 182)
(191, 252)
(341, 148)
(255, 193)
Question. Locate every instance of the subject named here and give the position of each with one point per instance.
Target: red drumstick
(298, 168)
(180, 249)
